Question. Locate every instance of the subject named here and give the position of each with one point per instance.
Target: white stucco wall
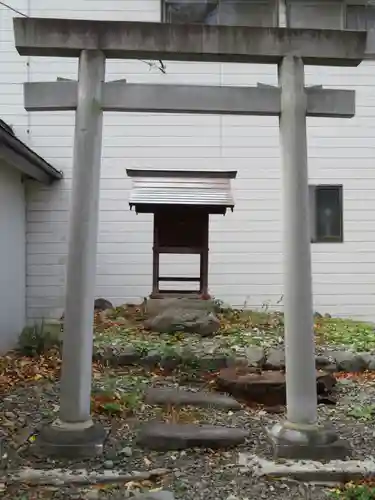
(246, 258)
(12, 256)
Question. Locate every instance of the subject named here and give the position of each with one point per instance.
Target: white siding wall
(246, 259)
(12, 256)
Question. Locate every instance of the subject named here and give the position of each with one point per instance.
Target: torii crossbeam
(93, 42)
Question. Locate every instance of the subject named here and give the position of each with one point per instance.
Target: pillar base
(292, 441)
(63, 440)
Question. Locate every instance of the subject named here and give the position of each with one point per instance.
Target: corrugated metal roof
(181, 187)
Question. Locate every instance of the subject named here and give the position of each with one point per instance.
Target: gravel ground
(196, 474)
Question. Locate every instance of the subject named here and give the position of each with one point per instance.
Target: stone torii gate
(94, 41)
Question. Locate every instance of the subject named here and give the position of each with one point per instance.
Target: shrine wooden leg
(155, 273)
(203, 273)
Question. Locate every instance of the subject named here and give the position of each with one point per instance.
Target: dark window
(360, 17)
(318, 14)
(225, 12)
(326, 214)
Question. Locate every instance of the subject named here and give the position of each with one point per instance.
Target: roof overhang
(209, 190)
(16, 154)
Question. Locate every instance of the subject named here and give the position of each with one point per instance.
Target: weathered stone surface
(152, 359)
(275, 359)
(256, 356)
(171, 362)
(371, 365)
(180, 397)
(348, 361)
(268, 387)
(368, 358)
(154, 307)
(102, 304)
(125, 356)
(172, 320)
(155, 495)
(163, 436)
(212, 363)
(322, 361)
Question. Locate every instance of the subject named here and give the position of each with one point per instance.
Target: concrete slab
(335, 471)
(186, 42)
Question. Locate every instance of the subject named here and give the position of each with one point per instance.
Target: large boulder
(188, 320)
(154, 307)
(267, 387)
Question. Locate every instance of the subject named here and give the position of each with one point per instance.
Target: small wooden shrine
(181, 202)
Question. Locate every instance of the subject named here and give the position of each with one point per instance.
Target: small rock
(368, 358)
(322, 361)
(102, 304)
(256, 356)
(108, 464)
(275, 359)
(170, 362)
(163, 436)
(212, 363)
(127, 451)
(331, 368)
(128, 356)
(155, 495)
(348, 361)
(125, 356)
(237, 361)
(10, 415)
(180, 397)
(151, 359)
(92, 495)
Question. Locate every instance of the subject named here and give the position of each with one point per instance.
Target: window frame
(314, 237)
(346, 4)
(164, 4)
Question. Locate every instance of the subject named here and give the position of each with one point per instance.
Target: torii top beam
(190, 42)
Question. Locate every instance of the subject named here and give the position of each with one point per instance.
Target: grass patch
(352, 491)
(118, 394)
(355, 334)
(239, 329)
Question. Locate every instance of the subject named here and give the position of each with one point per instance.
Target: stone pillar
(74, 433)
(299, 436)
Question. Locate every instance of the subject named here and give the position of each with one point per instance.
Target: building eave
(17, 154)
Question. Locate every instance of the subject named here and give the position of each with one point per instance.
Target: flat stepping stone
(179, 397)
(164, 436)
